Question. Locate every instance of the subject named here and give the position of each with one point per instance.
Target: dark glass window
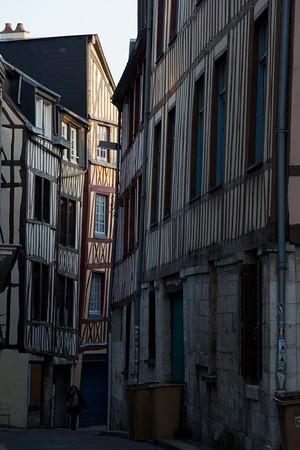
(218, 124)
(155, 184)
(39, 291)
(42, 199)
(65, 302)
(160, 28)
(258, 92)
(197, 138)
(169, 162)
(173, 19)
(67, 222)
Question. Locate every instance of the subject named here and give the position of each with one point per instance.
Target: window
(65, 302)
(218, 124)
(43, 116)
(73, 144)
(64, 133)
(96, 295)
(132, 217)
(160, 28)
(104, 136)
(258, 93)
(152, 328)
(100, 216)
(169, 162)
(251, 342)
(67, 222)
(131, 117)
(197, 138)
(39, 291)
(155, 173)
(137, 99)
(173, 19)
(42, 199)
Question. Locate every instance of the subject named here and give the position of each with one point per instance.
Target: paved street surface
(64, 440)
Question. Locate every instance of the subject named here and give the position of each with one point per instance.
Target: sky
(115, 21)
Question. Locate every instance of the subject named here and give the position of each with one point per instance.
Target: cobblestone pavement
(64, 440)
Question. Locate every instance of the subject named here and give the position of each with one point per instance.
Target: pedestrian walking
(75, 404)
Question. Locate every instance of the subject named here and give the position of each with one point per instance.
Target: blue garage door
(94, 390)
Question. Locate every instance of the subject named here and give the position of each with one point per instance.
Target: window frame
(43, 115)
(197, 143)
(160, 28)
(40, 278)
(173, 20)
(42, 199)
(169, 161)
(218, 123)
(257, 92)
(97, 233)
(65, 299)
(155, 176)
(67, 232)
(96, 314)
(105, 156)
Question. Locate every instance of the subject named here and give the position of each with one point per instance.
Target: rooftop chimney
(8, 34)
(8, 28)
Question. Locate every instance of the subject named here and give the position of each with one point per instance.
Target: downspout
(282, 144)
(113, 262)
(141, 237)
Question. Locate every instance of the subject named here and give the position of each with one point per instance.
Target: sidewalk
(174, 444)
(171, 444)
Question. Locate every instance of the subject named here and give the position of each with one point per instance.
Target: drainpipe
(111, 282)
(139, 275)
(281, 142)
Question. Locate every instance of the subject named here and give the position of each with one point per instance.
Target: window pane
(39, 112)
(100, 215)
(71, 222)
(46, 201)
(47, 119)
(38, 198)
(69, 303)
(63, 221)
(96, 295)
(73, 144)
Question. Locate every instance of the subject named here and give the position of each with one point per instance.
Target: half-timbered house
(218, 295)
(86, 85)
(41, 212)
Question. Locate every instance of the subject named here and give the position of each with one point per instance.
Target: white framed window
(73, 144)
(100, 216)
(96, 294)
(43, 113)
(64, 134)
(103, 135)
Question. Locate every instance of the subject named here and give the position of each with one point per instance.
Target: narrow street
(65, 439)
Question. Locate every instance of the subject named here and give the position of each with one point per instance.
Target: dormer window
(64, 134)
(73, 144)
(43, 116)
(103, 136)
(69, 133)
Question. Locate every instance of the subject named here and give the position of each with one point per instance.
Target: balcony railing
(45, 338)
(93, 333)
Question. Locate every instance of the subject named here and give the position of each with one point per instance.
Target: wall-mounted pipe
(282, 144)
